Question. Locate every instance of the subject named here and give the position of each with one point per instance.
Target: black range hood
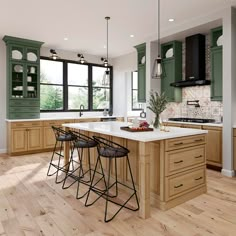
(195, 62)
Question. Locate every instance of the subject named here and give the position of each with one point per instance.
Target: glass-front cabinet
(23, 74)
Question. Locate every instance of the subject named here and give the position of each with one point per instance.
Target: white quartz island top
(113, 128)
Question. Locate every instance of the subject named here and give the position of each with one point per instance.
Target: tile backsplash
(208, 109)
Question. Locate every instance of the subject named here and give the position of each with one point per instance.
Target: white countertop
(113, 128)
(193, 123)
(63, 118)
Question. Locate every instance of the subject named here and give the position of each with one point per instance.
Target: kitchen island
(169, 168)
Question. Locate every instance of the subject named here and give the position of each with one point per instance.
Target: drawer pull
(198, 156)
(198, 140)
(178, 186)
(177, 162)
(180, 143)
(198, 178)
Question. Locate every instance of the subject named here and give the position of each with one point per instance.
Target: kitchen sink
(193, 120)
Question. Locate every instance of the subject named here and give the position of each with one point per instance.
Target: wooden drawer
(176, 161)
(26, 124)
(179, 184)
(177, 143)
(56, 122)
(87, 120)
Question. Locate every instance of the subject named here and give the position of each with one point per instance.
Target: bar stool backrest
(62, 135)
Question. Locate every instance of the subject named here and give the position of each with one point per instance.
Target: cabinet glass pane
(17, 81)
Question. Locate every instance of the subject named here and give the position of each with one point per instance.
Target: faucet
(80, 110)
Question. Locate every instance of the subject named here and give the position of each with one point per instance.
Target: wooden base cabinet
(24, 137)
(214, 145)
(234, 133)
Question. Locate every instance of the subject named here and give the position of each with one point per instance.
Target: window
(51, 85)
(65, 85)
(101, 88)
(77, 86)
(134, 91)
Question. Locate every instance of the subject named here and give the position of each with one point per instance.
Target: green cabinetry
(141, 50)
(23, 78)
(171, 54)
(216, 64)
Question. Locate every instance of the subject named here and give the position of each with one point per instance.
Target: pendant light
(157, 67)
(54, 55)
(106, 76)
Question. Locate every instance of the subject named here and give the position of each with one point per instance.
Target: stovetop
(194, 120)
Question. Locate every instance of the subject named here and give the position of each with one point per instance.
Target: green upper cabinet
(171, 54)
(216, 64)
(23, 78)
(141, 50)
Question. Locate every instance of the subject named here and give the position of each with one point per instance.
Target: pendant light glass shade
(81, 59)
(106, 75)
(157, 67)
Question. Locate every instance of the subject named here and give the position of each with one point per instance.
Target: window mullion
(65, 86)
(90, 88)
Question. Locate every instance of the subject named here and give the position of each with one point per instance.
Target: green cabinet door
(216, 74)
(172, 70)
(141, 83)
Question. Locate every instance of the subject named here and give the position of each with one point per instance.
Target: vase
(156, 123)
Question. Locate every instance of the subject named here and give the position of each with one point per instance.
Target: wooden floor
(32, 204)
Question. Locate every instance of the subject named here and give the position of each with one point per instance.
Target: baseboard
(3, 151)
(228, 173)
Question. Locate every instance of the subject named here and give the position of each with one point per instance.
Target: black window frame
(132, 92)
(90, 87)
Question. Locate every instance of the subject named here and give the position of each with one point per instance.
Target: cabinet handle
(198, 140)
(198, 178)
(198, 156)
(176, 162)
(180, 143)
(178, 186)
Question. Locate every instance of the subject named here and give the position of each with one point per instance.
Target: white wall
(2, 97)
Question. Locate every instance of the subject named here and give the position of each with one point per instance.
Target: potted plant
(157, 104)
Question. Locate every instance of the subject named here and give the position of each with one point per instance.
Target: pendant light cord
(107, 18)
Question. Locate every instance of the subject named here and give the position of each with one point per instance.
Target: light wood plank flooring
(32, 204)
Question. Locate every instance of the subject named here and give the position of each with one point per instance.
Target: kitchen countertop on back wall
(193, 123)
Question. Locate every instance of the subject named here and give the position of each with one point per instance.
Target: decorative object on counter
(135, 129)
(157, 67)
(193, 103)
(54, 55)
(81, 59)
(144, 124)
(105, 112)
(106, 76)
(143, 114)
(157, 104)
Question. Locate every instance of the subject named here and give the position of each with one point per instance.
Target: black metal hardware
(177, 162)
(180, 143)
(198, 156)
(178, 186)
(198, 178)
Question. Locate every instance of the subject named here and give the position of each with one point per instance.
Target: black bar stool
(112, 151)
(81, 142)
(61, 137)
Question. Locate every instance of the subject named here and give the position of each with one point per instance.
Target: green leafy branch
(157, 103)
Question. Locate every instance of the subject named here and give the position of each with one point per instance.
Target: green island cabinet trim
(216, 64)
(172, 70)
(23, 78)
(141, 62)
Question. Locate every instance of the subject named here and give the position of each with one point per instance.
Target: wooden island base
(166, 172)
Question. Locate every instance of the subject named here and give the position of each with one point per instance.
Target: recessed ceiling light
(171, 20)
(131, 36)
(65, 39)
(104, 46)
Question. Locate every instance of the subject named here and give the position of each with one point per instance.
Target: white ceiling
(82, 21)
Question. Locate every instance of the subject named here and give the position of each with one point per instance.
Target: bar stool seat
(111, 151)
(61, 136)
